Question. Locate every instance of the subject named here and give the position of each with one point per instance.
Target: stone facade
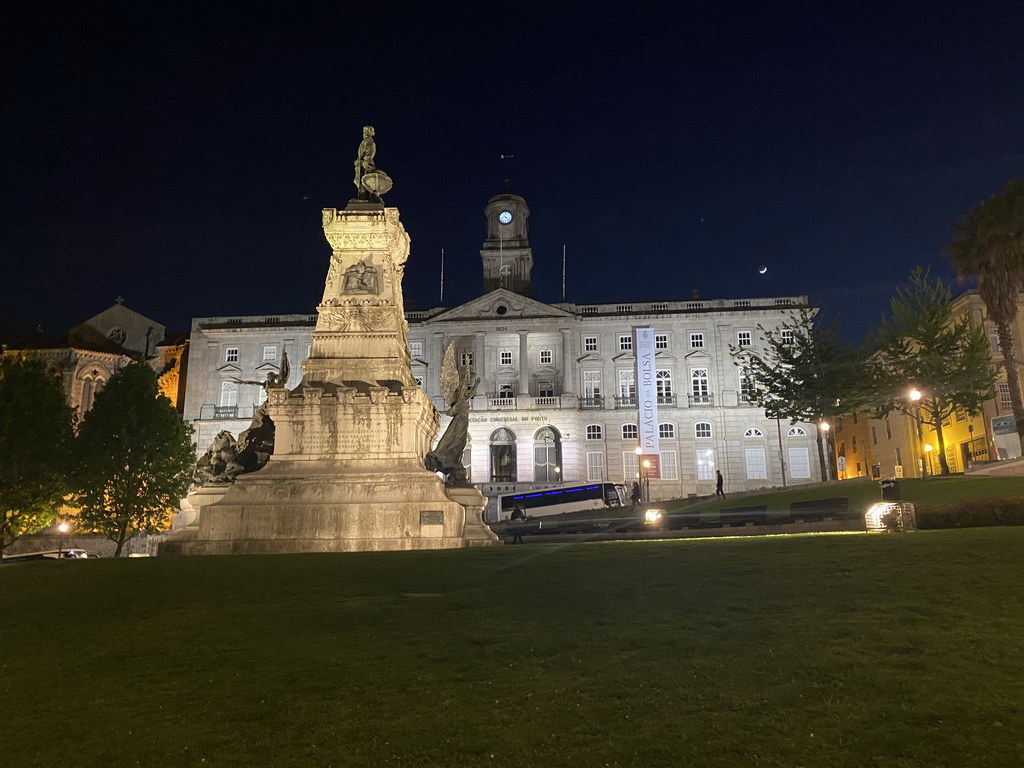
(223, 349)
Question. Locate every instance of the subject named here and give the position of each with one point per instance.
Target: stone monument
(347, 472)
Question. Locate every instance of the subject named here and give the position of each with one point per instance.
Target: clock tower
(506, 253)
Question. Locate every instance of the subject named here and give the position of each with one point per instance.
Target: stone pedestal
(476, 533)
(347, 472)
(196, 501)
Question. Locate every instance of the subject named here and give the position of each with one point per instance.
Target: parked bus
(569, 498)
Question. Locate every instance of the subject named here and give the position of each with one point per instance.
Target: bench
(742, 515)
(819, 509)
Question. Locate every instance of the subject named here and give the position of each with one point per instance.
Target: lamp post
(63, 528)
(647, 481)
(640, 469)
(915, 397)
(558, 474)
(825, 427)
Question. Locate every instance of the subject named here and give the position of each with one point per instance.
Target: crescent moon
(762, 269)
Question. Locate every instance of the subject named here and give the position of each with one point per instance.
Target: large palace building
(557, 401)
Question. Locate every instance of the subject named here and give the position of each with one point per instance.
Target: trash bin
(890, 490)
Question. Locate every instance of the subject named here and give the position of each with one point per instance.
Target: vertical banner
(647, 400)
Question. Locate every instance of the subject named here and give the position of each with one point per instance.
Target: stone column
(435, 357)
(524, 362)
(568, 366)
(478, 360)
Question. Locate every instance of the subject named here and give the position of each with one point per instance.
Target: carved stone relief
(360, 278)
(347, 241)
(354, 319)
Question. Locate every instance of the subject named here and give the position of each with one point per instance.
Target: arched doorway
(503, 456)
(547, 455)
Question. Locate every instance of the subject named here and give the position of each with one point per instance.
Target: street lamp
(640, 474)
(928, 455)
(915, 397)
(63, 528)
(825, 427)
(558, 475)
(647, 481)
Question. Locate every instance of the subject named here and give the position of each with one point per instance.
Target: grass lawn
(832, 650)
(862, 493)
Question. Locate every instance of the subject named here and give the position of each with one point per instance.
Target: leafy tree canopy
(805, 371)
(134, 457)
(923, 346)
(988, 244)
(36, 431)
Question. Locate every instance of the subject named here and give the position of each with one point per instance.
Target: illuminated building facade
(557, 401)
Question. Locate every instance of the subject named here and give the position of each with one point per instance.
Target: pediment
(624, 356)
(698, 355)
(546, 372)
(490, 305)
(229, 370)
(663, 355)
(118, 328)
(419, 361)
(267, 367)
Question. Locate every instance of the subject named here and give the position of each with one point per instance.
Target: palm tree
(988, 244)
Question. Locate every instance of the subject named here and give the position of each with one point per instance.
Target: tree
(922, 346)
(988, 244)
(36, 430)
(134, 457)
(806, 373)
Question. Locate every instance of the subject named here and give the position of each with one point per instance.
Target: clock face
(505, 217)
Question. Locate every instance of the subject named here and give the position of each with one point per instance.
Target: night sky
(180, 156)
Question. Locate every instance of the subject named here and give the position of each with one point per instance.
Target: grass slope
(886, 651)
(863, 493)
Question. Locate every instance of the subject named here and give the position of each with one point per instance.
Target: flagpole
(442, 277)
(563, 271)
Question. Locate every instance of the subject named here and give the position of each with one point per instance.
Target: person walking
(518, 517)
(718, 485)
(637, 496)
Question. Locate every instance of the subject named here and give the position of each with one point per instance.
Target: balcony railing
(625, 401)
(213, 412)
(591, 403)
(666, 399)
(699, 400)
(503, 402)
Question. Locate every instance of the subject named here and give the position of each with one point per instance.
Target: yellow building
(898, 446)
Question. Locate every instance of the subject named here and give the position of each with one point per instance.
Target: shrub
(971, 514)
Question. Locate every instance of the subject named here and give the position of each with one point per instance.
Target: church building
(557, 400)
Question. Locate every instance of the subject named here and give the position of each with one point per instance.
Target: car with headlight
(55, 554)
